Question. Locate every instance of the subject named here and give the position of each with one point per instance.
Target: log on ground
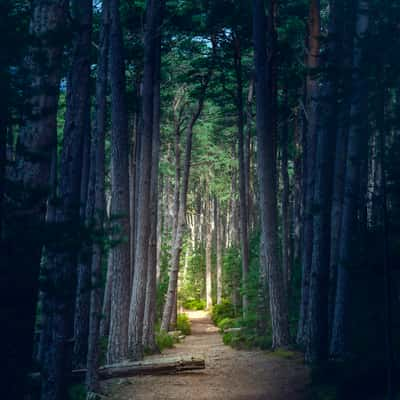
(151, 367)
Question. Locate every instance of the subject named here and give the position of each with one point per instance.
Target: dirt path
(229, 375)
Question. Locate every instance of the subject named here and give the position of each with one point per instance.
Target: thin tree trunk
(98, 175)
(106, 304)
(243, 189)
(82, 304)
(298, 187)
(340, 162)
(149, 340)
(267, 183)
(208, 256)
(309, 150)
(286, 226)
(117, 350)
(217, 224)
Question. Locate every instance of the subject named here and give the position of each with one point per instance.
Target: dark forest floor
(229, 374)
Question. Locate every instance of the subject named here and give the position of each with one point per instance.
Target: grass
(164, 340)
(183, 324)
(284, 353)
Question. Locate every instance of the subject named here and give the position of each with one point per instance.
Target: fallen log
(228, 330)
(153, 366)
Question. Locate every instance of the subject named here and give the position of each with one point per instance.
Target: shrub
(221, 311)
(194, 304)
(236, 340)
(226, 323)
(164, 340)
(183, 324)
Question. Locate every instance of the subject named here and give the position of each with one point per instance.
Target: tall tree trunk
(62, 259)
(318, 330)
(345, 33)
(309, 150)
(106, 302)
(218, 234)
(298, 187)
(149, 340)
(117, 349)
(208, 255)
(267, 183)
(138, 299)
(24, 237)
(243, 189)
(286, 226)
(355, 146)
(98, 175)
(82, 304)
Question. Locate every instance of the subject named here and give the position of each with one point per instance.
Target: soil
(229, 375)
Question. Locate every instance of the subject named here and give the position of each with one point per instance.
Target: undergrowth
(164, 340)
(194, 304)
(183, 324)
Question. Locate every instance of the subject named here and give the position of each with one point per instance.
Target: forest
(229, 167)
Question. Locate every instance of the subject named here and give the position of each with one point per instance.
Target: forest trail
(229, 375)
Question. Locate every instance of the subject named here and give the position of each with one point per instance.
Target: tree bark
(98, 176)
(62, 258)
(149, 340)
(243, 188)
(119, 254)
(106, 303)
(138, 299)
(218, 234)
(355, 146)
(317, 345)
(309, 151)
(267, 183)
(286, 225)
(82, 304)
(23, 240)
(208, 256)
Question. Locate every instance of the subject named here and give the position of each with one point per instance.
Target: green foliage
(164, 340)
(194, 304)
(231, 270)
(222, 311)
(226, 323)
(183, 324)
(247, 339)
